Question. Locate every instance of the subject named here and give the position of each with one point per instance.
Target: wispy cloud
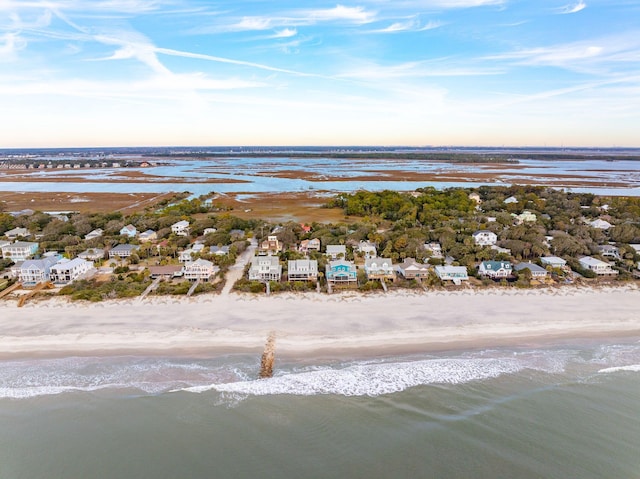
(450, 4)
(410, 25)
(338, 14)
(437, 68)
(285, 33)
(572, 8)
(10, 44)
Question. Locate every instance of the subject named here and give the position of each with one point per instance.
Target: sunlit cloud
(411, 25)
(285, 33)
(572, 8)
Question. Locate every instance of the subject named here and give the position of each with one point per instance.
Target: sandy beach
(346, 323)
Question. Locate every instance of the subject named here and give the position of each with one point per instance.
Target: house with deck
(434, 249)
(271, 245)
(341, 272)
(34, 271)
(600, 268)
(302, 270)
(92, 254)
(609, 251)
(457, 274)
(495, 269)
(265, 268)
(181, 228)
(411, 269)
(66, 271)
(19, 251)
(553, 261)
(187, 255)
(123, 250)
(537, 272)
(17, 233)
(379, 268)
(200, 269)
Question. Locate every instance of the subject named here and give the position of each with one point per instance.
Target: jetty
(268, 356)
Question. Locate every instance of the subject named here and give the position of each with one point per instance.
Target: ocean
(562, 410)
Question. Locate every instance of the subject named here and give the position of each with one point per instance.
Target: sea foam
(633, 368)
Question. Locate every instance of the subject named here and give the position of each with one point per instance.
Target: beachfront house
(97, 233)
(457, 274)
(166, 271)
(411, 269)
(200, 269)
(367, 249)
(147, 236)
(379, 268)
(19, 251)
(485, 238)
(34, 271)
(181, 228)
(3, 243)
(265, 268)
(553, 261)
(123, 250)
(600, 268)
(302, 270)
(341, 272)
(271, 245)
(92, 254)
(129, 231)
(336, 251)
(495, 269)
(537, 272)
(66, 271)
(17, 233)
(312, 244)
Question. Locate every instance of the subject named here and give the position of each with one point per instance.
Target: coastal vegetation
(399, 224)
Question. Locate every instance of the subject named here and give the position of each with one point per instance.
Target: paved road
(235, 272)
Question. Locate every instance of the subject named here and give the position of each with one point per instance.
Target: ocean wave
(372, 379)
(633, 368)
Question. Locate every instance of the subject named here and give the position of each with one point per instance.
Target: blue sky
(371, 72)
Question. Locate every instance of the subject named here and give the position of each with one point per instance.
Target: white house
(201, 269)
(485, 238)
(525, 217)
(16, 232)
(600, 224)
(129, 231)
(336, 251)
(209, 231)
(511, 199)
(123, 250)
(302, 270)
(147, 236)
(495, 269)
(219, 250)
(597, 266)
(411, 269)
(265, 268)
(94, 234)
(553, 261)
(457, 274)
(181, 228)
(367, 249)
(187, 255)
(64, 272)
(609, 251)
(3, 243)
(92, 254)
(36, 270)
(19, 251)
(379, 268)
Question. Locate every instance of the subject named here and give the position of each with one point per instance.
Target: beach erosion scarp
(346, 323)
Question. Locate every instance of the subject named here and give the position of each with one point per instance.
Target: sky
(77, 73)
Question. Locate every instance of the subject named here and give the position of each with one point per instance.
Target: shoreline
(339, 325)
